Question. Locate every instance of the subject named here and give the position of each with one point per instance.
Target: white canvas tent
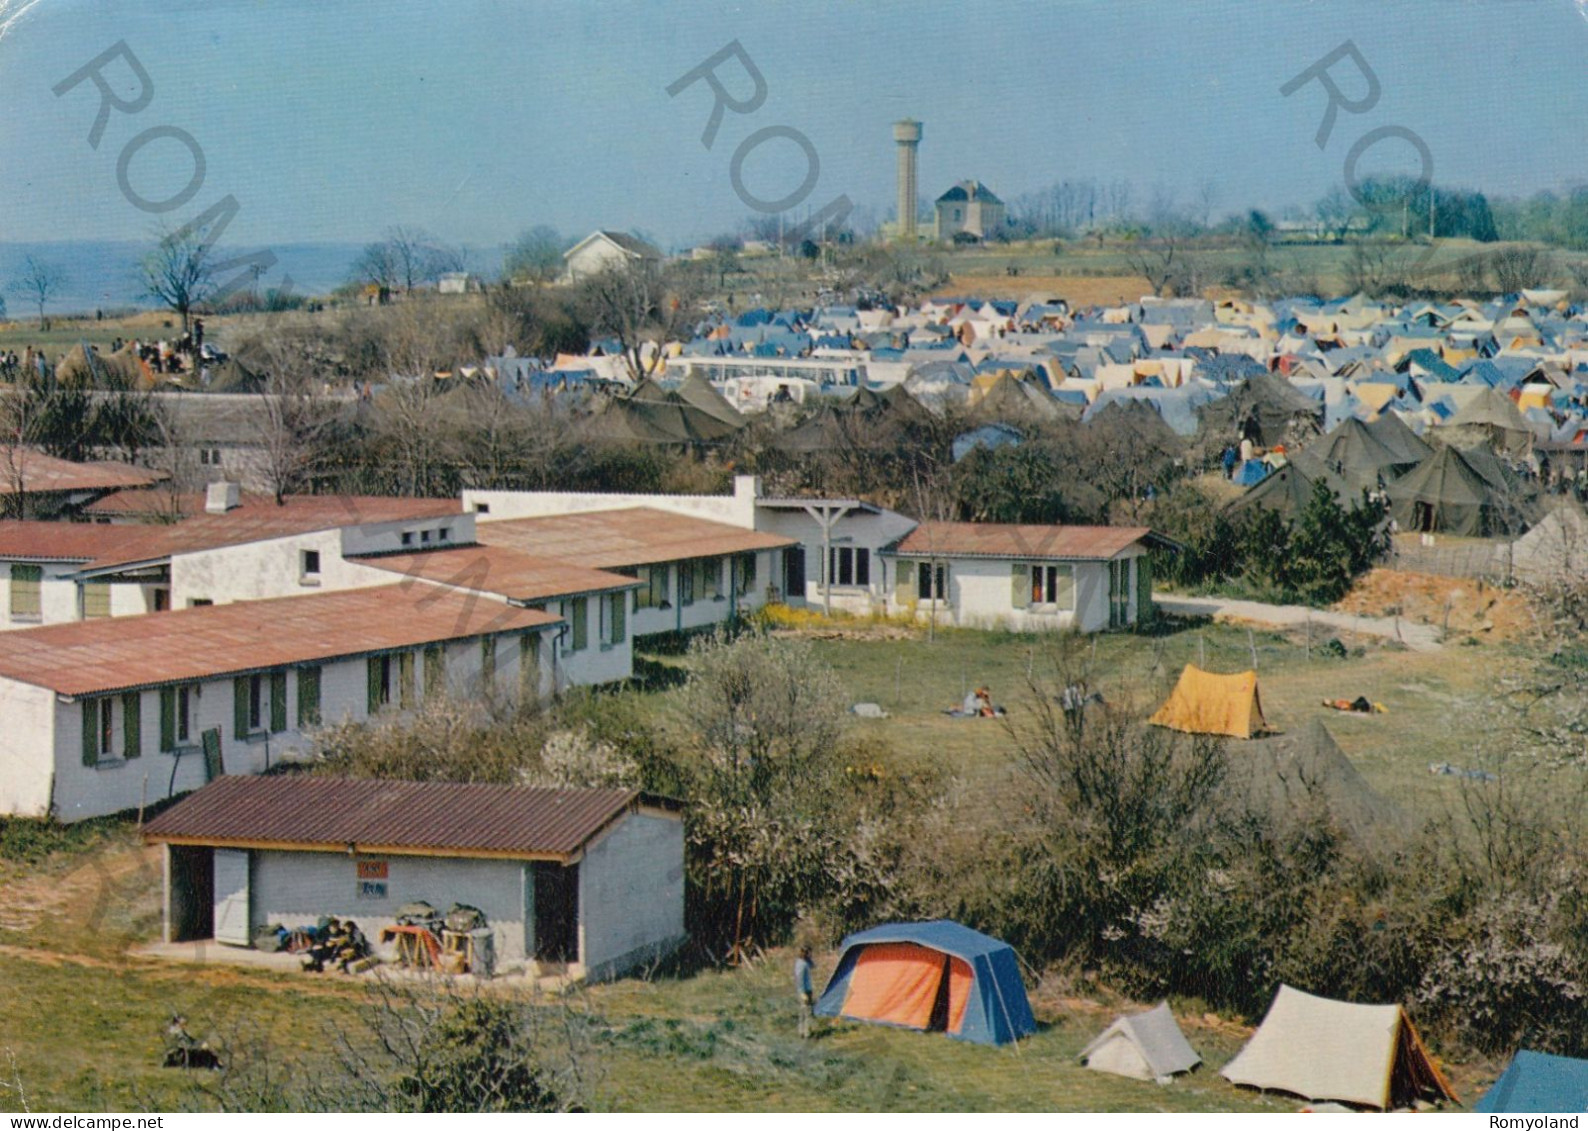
(1144, 1046)
(1366, 1055)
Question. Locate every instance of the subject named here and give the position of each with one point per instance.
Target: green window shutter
(1144, 613)
(90, 732)
(529, 664)
(1064, 587)
(132, 724)
(308, 697)
(435, 672)
(167, 719)
(904, 582)
(26, 598)
(581, 624)
(372, 667)
(278, 702)
(96, 599)
(1020, 585)
(240, 706)
(620, 617)
(487, 661)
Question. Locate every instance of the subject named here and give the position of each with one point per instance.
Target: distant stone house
(579, 882)
(1024, 577)
(603, 249)
(971, 208)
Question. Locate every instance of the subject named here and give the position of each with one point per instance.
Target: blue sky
(478, 118)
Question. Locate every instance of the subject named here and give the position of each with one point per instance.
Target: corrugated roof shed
(630, 536)
(1009, 540)
(210, 642)
(395, 816)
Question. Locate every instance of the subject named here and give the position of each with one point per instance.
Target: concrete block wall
(631, 895)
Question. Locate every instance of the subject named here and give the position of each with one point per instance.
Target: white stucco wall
(54, 739)
(737, 509)
(631, 894)
(981, 591)
(26, 765)
(293, 889)
(871, 531)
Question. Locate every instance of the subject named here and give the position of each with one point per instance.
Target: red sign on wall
(372, 869)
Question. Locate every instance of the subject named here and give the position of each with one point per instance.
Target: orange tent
(1210, 703)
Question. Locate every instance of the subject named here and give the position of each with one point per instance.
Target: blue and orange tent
(937, 976)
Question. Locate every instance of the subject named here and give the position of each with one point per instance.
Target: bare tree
(179, 272)
(536, 256)
(1521, 268)
(643, 306)
(40, 280)
(405, 258)
(1161, 261)
(292, 419)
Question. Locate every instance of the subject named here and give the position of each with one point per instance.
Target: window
(310, 566)
(445, 534)
(616, 606)
(435, 672)
(308, 697)
(482, 508)
(132, 724)
(1053, 585)
(96, 599)
(487, 661)
(849, 565)
(379, 671)
(408, 537)
(162, 600)
(529, 662)
(405, 680)
(654, 594)
(98, 730)
(931, 581)
(579, 624)
(711, 578)
(687, 572)
(746, 567)
(199, 602)
(278, 702)
(27, 600)
(424, 537)
(176, 716)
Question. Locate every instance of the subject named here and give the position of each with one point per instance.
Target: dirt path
(1417, 637)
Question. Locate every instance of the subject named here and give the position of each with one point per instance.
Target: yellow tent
(1209, 703)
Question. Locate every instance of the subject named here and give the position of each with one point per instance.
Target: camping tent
(1391, 431)
(1538, 1081)
(937, 976)
(1146, 1046)
(1367, 1055)
(1448, 493)
(1210, 703)
(1289, 777)
(1289, 488)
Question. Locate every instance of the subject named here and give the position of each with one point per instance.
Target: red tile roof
(498, 569)
(629, 536)
(1009, 540)
(41, 473)
(64, 541)
(187, 645)
(403, 817)
(259, 518)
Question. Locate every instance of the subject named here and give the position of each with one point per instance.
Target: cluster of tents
(1450, 489)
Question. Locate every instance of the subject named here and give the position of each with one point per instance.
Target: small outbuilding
(582, 882)
(1144, 1046)
(937, 976)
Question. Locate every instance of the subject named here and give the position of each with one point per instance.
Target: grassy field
(84, 1018)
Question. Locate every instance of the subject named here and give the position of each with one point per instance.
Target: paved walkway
(1417, 637)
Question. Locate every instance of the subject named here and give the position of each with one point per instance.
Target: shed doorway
(191, 914)
(556, 913)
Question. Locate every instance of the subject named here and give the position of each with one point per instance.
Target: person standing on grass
(805, 989)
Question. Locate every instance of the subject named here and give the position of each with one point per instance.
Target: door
(1119, 593)
(556, 912)
(794, 573)
(192, 893)
(232, 896)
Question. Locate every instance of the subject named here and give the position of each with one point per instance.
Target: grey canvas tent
(1366, 1055)
(1296, 777)
(1267, 410)
(1446, 493)
(1391, 431)
(1359, 457)
(1491, 418)
(1143, 1046)
(1288, 488)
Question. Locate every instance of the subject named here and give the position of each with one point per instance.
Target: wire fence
(1486, 560)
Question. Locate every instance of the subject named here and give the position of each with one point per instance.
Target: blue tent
(937, 976)
(1250, 473)
(1538, 1081)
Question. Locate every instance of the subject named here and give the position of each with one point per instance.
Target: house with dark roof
(1024, 577)
(113, 714)
(582, 883)
(603, 249)
(972, 209)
